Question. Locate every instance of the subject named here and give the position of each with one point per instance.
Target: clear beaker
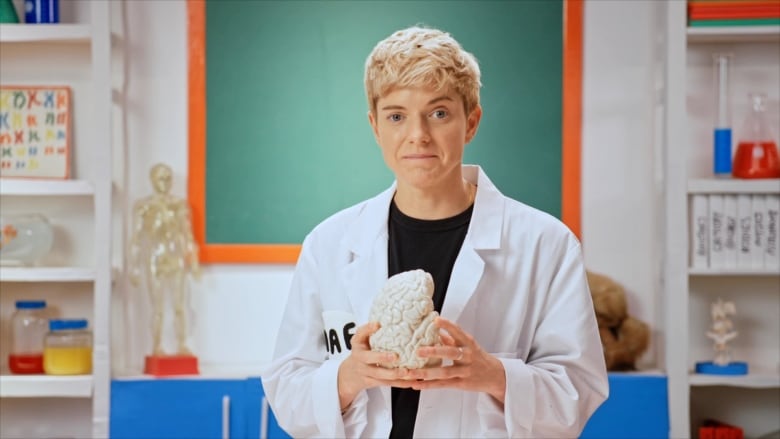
(757, 155)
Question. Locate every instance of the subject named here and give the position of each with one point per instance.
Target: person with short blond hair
(520, 354)
(425, 58)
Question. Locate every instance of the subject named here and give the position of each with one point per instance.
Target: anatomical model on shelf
(163, 253)
(721, 333)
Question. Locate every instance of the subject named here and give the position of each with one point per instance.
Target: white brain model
(404, 310)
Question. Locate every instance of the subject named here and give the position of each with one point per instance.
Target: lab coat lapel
(366, 273)
(484, 234)
(465, 277)
(364, 276)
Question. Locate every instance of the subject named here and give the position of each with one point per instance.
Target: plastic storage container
(68, 348)
(29, 324)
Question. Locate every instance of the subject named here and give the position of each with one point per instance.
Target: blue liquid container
(42, 11)
(722, 152)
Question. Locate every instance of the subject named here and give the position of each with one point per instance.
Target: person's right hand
(361, 369)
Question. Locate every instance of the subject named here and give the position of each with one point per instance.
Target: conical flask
(757, 154)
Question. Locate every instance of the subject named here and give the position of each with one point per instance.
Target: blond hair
(421, 57)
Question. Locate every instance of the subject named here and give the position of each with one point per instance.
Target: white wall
(238, 307)
(621, 217)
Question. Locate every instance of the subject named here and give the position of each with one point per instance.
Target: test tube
(722, 63)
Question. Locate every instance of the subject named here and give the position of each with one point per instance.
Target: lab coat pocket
(339, 328)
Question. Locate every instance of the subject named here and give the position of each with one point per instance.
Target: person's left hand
(473, 369)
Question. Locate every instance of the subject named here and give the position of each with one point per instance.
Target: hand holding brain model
(404, 310)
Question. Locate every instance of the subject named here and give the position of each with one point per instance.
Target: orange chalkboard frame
(288, 253)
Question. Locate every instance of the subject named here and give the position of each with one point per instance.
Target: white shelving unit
(688, 292)
(50, 188)
(47, 274)
(732, 34)
(731, 272)
(78, 55)
(754, 380)
(76, 386)
(45, 33)
(732, 186)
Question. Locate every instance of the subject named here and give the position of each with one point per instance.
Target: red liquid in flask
(25, 363)
(756, 160)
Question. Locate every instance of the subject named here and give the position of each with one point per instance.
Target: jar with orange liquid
(68, 348)
(757, 154)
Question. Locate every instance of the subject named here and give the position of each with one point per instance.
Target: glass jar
(68, 348)
(29, 324)
(24, 239)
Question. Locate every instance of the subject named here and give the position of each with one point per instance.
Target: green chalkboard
(287, 136)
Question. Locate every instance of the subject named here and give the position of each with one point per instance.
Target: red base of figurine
(167, 365)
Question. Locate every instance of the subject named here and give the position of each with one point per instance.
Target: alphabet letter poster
(34, 132)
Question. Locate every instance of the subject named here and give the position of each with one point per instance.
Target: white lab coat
(518, 286)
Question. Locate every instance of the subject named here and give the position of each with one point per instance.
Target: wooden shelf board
(48, 33)
(46, 274)
(734, 34)
(27, 187)
(45, 386)
(734, 186)
(759, 380)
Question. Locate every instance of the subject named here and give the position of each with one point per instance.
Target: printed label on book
(745, 236)
(730, 231)
(699, 231)
(772, 241)
(759, 231)
(717, 232)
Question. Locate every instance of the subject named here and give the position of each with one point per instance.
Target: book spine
(740, 22)
(745, 231)
(734, 14)
(772, 249)
(759, 231)
(730, 240)
(700, 231)
(717, 232)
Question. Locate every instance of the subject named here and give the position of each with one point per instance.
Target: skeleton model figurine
(722, 331)
(163, 250)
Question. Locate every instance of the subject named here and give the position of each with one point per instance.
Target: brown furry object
(623, 337)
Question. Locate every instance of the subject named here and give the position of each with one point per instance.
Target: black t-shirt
(431, 245)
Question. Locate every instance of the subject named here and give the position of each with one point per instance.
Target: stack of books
(735, 232)
(733, 13)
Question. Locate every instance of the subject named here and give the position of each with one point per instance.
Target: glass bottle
(28, 329)
(757, 155)
(68, 348)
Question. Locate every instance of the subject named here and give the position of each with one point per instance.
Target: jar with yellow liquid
(67, 348)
